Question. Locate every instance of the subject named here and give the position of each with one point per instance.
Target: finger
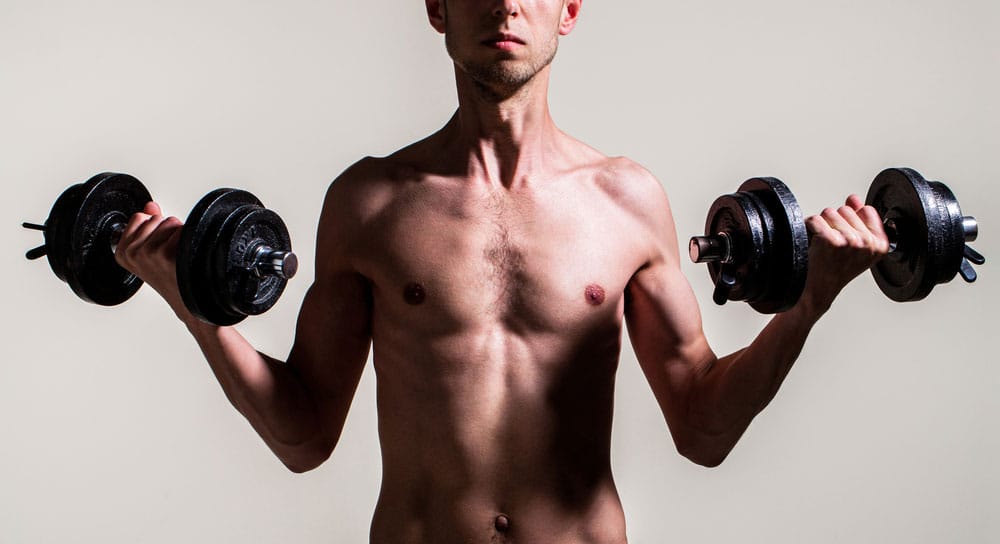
(170, 245)
(836, 221)
(872, 220)
(131, 227)
(869, 217)
(162, 233)
(815, 224)
(140, 237)
(855, 202)
(150, 210)
(839, 224)
(865, 236)
(851, 216)
(148, 228)
(818, 228)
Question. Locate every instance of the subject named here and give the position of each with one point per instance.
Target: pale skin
(490, 267)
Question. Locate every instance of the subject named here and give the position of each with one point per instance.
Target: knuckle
(130, 252)
(835, 239)
(857, 241)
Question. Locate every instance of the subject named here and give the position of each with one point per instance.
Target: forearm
(266, 391)
(738, 386)
(732, 390)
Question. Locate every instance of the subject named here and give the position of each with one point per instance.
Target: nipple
(594, 294)
(414, 294)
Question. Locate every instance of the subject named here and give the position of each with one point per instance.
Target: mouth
(503, 40)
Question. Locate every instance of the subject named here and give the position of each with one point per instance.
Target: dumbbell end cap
(283, 264)
(289, 266)
(970, 228)
(694, 249)
(715, 248)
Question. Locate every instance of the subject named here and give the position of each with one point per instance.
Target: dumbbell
(756, 243)
(234, 256)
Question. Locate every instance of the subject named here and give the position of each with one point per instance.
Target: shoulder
(352, 205)
(635, 190)
(359, 189)
(640, 197)
(367, 188)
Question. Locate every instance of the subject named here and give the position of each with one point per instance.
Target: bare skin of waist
(490, 435)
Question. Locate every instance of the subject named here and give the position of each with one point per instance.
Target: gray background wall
(112, 429)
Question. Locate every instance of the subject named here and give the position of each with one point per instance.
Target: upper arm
(662, 314)
(333, 333)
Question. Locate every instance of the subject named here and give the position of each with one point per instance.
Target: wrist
(809, 308)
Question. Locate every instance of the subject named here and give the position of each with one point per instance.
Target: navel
(501, 523)
(414, 294)
(594, 294)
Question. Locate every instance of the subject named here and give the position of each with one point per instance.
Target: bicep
(664, 324)
(664, 320)
(332, 341)
(333, 333)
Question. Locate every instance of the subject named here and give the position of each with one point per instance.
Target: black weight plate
(195, 263)
(61, 222)
(736, 216)
(79, 247)
(756, 287)
(903, 196)
(241, 290)
(951, 232)
(788, 253)
(58, 228)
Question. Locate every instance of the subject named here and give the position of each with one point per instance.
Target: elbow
(303, 457)
(299, 467)
(707, 459)
(302, 462)
(705, 450)
(704, 439)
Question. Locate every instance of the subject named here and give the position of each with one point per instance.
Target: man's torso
(496, 325)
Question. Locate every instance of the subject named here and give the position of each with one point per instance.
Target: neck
(504, 134)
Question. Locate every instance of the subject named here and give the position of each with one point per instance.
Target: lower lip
(504, 45)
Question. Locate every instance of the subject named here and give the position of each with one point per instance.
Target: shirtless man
(491, 267)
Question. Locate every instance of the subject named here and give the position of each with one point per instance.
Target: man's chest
(544, 265)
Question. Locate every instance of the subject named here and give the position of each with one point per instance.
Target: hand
(844, 242)
(148, 249)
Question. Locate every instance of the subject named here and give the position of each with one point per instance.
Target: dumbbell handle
(265, 261)
(115, 232)
(970, 231)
